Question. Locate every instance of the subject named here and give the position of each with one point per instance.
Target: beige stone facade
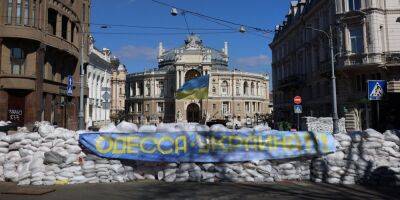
(233, 95)
(366, 45)
(40, 45)
(118, 79)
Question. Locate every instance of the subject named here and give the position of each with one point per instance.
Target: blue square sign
(70, 86)
(376, 89)
(298, 109)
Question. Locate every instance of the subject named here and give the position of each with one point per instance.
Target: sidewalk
(161, 190)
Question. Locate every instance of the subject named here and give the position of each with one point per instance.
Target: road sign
(298, 109)
(106, 96)
(106, 89)
(297, 100)
(376, 89)
(70, 86)
(106, 105)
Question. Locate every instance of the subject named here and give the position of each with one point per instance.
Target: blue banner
(208, 146)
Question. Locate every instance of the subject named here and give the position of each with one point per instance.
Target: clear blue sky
(138, 51)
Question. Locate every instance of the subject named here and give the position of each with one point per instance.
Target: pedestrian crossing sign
(376, 89)
(298, 109)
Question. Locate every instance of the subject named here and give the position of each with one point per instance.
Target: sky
(137, 47)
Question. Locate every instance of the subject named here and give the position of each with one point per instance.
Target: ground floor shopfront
(24, 107)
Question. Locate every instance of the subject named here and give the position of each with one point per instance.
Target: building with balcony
(366, 46)
(40, 45)
(99, 74)
(233, 95)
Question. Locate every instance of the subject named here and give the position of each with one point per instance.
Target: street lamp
(335, 116)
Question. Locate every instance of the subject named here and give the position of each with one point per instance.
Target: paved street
(160, 190)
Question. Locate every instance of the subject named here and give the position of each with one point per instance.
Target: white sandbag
(4, 137)
(219, 128)
(260, 128)
(3, 144)
(126, 127)
(147, 129)
(4, 150)
(71, 159)
(109, 128)
(33, 136)
(45, 129)
(17, 137)
(187, 126)
(72, 141)
(73, 149)
(24, 182)
(167, 128)
(202, 128)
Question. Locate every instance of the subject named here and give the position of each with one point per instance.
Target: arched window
(224, 88)
(252, 88)
(161, 88)
(17, 61)
(191, 74)
(245, 88)
(148, 89)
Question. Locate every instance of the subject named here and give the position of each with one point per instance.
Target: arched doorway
(193, 113)
(191, 74)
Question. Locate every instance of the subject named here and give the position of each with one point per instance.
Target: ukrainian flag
(194, 89)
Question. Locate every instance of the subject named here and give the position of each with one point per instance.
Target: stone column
(182, 78)
(59, 25)
(177, 79)
(34, 100)
(69, 31)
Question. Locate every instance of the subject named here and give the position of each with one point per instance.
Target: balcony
(394, 87)
(392, 57)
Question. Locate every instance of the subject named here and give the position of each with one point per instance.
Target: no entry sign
(297, 100)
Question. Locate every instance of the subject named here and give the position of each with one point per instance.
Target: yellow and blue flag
(194, 89)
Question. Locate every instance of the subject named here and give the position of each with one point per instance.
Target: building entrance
(16, 108)
(193, 113)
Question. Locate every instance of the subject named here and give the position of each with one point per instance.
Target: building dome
(194, 47)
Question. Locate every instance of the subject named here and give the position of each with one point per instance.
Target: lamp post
(335, 116)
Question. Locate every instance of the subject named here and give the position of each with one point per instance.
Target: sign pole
(298, 121)
(378, 113)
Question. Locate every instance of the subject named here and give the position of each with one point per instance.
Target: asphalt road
(161, 190)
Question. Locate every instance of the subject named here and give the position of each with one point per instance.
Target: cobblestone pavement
(160, 190)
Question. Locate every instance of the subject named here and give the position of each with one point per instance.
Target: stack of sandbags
(368, 156)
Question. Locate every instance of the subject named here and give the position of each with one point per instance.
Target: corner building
(233, 95)
(40, 45)
(366, 44)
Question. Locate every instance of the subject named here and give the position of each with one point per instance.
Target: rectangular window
(147, 108)
(160, 107)
(356, 40)
(225, 107)
(214, 106)
(9, 11)
(64, 27)
(73, 33)
(26, 12)
(354, 5)
(19, 12)
(247, 106)
(33, 19)
(17, 61)
(139, 107)
(237, 91)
